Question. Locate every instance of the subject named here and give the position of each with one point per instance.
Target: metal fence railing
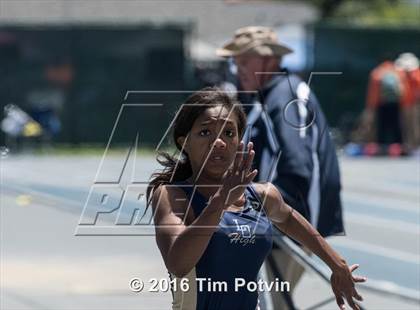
(308, 262)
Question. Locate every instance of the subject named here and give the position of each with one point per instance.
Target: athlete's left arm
(297, 227)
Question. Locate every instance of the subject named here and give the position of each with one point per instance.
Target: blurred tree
(327, 7)
(369, 12)
(396, 12)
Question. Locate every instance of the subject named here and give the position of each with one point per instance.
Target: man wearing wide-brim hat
(256, 48)
(291, 139)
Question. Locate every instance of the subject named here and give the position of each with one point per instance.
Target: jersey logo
(243, 236)
(244, 229)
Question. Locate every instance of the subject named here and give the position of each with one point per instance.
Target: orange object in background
(412, 79)
(408, 64)
(374, 96)
(393, 99)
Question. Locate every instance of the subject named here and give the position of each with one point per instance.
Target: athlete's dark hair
(179, 170)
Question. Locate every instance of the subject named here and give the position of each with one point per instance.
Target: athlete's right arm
(182, 246)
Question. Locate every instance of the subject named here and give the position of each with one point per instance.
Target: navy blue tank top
(236, 251)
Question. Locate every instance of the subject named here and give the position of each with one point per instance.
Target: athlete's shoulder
(261, 187)
(265, 189)
(267, 192)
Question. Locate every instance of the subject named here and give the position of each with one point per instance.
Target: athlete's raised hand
(342, 283)
(238, 176)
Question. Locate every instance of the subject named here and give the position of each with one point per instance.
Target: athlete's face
(212, 142)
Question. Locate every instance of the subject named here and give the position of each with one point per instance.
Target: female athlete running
(213, 225)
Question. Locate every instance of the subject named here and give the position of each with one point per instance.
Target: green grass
(90, 150)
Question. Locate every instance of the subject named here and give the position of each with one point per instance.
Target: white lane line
(388, 287)
(384, 190)
(380, 202)
(381, 223)
(376, 250)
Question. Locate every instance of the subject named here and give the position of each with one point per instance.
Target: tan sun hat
(254, 40)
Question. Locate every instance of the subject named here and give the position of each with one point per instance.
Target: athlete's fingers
(249, 158)
(350, 301)
(359, 279)
(251, 176)
(241, 155)
(241, 172)
(249, 165)
(357, 295)
(238, 158)
(354, 267)
(338, 298)
(340, 302)
(227, 174)
(243, 160)
(355, 278)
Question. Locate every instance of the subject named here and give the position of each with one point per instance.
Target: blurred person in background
(288, 127)
(408, 64)
(392, 98)
(46, 101)
(384, 97)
